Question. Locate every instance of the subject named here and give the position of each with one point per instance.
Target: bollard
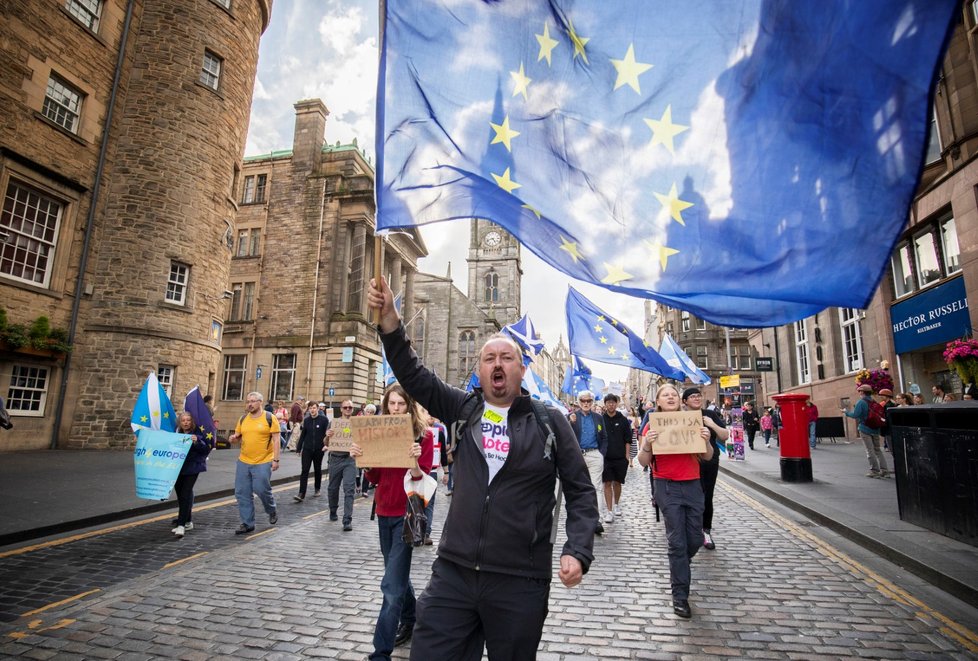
(796, 455)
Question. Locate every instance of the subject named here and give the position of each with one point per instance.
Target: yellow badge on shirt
(492, 416)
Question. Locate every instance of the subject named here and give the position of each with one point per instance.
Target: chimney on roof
(310, 132)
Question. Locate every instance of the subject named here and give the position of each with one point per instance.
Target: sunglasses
(346, 408)
(586, 401)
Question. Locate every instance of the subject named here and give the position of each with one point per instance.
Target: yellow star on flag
(547, 44)
(521, 82)
(144, 419)
(166, 415)
(629, 70)
(504, 182)
(603, 339)
(209, 436)
(504, 134)
(601, 318)
(611, 350)
(571, 248)
(674, 204)
(535, 212)
(663, 130)
(598, 328)
(662, 253)
(615, 275)
(578, 41)
(200, 427)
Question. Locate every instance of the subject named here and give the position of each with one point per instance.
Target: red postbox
(796, 455)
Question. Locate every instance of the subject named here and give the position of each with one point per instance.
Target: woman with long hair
(679, 496)
(395, 623)
(194, 464)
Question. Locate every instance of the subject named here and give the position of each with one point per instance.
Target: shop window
(234, 377)
(28, 390)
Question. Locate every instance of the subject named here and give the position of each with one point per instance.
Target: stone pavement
(304, 589)
(863, 510)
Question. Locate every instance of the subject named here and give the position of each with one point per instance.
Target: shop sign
(931, 317)
(764, 364)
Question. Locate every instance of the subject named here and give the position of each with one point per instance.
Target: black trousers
(750, 437)
(184, 489)
(708, 478)
(312, 458)
(463, 610)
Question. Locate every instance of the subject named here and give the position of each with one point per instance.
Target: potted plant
(877, 379)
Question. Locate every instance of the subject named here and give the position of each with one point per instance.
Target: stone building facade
(926, 296)
(120, 150)
(296, 317)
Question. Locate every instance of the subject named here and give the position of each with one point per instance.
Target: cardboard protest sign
(342, 437)
(386, 440)
(679, 432)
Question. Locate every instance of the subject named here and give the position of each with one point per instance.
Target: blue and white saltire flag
(594, 334)
(153, 408)
(525, 335)
(750, 161)
(194, 404)
(534, 384)
(388, 373)
(473, 382)
(679, 359)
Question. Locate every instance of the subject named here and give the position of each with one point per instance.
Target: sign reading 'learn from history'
(386, 440)
(679, 432)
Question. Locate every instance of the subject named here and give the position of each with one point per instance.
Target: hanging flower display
(877, 379)
(962, 356)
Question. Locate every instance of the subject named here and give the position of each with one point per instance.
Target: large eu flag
(751, 161)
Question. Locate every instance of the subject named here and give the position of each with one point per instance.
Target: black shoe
(333, 517)
(301, 497)
(599, 530)
(404, 633)
(273, 517)
(681, 608)
(244, 530)
(428, 541)
(347, 527)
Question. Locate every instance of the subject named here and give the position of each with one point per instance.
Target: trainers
(884, 474)
(617, 511)
(427, 541)
(244, 530)
(179, 531)
(273, 517)
(708, 540)
(347, 527)
(316, 494)
(681, 608)
(333, 517)
(609, 517)
(298, 498)
(189, 525)
(873, 474)
(767, 445)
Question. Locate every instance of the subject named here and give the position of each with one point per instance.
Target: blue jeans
(429, 511)
(451, 477)
(811, 433)
(399, 602)
(255, 478)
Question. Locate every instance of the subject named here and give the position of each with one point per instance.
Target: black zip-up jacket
(312, 435)
(505, 526)
(619, 431)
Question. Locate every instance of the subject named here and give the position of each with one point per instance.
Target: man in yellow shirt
(259, 436)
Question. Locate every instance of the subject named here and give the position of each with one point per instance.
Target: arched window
(466, 355)
(492, 287)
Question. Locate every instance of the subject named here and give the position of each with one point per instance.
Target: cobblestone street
(773, 589)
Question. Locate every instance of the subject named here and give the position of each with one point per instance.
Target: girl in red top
(679, 496)
(395, 623)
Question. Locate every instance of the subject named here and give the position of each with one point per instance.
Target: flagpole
(378, 240)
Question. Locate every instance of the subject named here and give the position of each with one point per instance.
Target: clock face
(493, 239)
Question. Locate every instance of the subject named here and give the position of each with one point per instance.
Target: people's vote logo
(495, 433)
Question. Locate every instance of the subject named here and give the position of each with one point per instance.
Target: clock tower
(495, 271)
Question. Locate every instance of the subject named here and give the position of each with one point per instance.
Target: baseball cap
(690, 391)
(865, 388)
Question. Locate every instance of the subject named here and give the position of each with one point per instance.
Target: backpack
(876, 416)
(272, 427)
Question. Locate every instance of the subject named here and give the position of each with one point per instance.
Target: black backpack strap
(544, 420)
(472, 405)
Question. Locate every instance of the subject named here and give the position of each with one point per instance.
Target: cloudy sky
(327, 49)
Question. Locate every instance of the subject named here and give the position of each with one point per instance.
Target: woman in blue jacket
(193, 465)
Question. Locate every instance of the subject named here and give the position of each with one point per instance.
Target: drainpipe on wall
(90, 222)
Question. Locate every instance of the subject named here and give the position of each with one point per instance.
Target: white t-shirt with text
(495, 437)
